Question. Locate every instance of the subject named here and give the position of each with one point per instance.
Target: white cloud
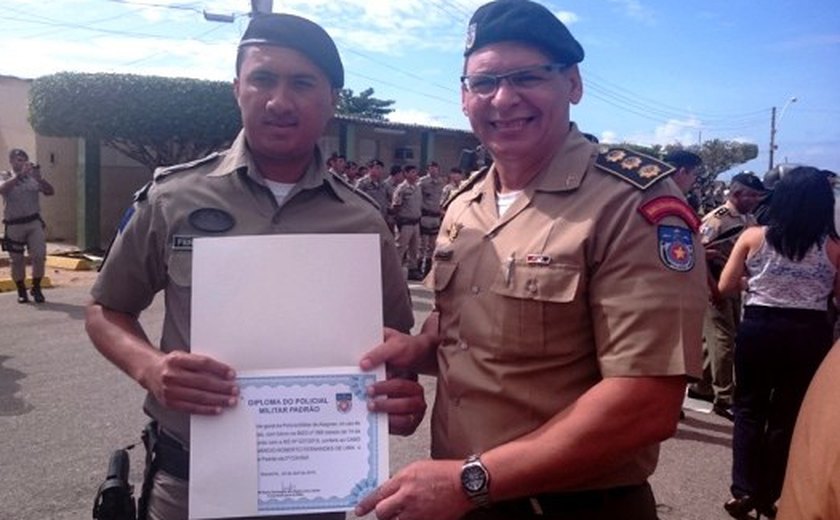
(609, 136)
(635, 9)
(674, 131)
(415, 117)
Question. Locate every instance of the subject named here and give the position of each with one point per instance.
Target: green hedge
(133, 107)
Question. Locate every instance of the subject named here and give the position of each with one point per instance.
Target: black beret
(750, 180)
(683, 159)
(525, 22)
(300, 34)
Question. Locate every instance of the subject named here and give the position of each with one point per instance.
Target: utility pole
(773, 125)
(772, 137)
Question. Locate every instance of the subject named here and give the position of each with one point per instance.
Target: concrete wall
(15, 131)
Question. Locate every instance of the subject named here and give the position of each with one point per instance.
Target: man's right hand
(191, 383)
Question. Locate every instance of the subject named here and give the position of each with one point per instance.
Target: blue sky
(656, 71)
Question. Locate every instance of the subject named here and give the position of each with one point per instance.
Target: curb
(8, 285)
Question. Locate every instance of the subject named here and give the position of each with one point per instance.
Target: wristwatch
(475, 480)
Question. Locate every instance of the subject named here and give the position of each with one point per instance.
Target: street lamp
(773, 125)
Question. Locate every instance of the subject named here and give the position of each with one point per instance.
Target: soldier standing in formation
(407, 206)
(431, 186)
(374, 186)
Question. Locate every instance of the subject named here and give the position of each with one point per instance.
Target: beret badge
(470, 37)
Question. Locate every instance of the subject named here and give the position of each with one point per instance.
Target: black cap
(300, 34)
(525, 22)
(750, 180)
(683, 159)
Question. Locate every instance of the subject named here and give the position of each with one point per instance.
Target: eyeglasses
(523, 79)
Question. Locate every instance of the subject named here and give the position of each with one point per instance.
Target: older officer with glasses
(568, 303)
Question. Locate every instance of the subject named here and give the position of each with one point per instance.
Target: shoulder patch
(165, 171)
(657, 209)
(466, 185)
(638, 169)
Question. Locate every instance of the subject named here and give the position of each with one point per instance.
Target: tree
(154, 120)
(363, 105)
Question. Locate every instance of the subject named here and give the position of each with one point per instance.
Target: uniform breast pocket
(540, 311)
(441, 275)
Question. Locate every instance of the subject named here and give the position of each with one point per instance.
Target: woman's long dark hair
(801, 212)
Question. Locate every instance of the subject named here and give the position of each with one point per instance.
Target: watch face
(473, 478)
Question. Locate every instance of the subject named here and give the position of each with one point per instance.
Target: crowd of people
(552, 268)
(411, 203)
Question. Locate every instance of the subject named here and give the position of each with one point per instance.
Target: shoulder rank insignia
(722, 211)
(640, 170)
(165, 171)
(657, 209)
(467, 185)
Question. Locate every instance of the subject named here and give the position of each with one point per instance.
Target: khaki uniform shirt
(22, 200)
(563, 290)
(147, 255)
(812, 481)
(407, 201)
(720, 230)
(432, 190)
(377, 191)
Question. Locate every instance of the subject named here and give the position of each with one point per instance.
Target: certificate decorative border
(357, 385)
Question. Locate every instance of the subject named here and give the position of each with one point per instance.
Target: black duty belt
(171, 456)
(429, 213)
(22, 220)
(407, 221)
(572, 504)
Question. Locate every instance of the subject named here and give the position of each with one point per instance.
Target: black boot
(21, 288)
(36, 290)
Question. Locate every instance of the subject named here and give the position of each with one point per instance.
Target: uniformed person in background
(270, 181)
(687, 165)
(719, 232)
(406, 205)
(21, 188)
(569, 296)
(454, 180)
(431, 186)
(374, 186)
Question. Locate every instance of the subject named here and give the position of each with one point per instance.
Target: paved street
(63, 409)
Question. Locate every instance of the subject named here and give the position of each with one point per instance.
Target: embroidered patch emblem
(211, 220)
(126, 218)
(344, 402)
(182, 243)
(676, 250)
(657, 209)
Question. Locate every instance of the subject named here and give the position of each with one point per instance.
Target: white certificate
(284, 305)
(318, 447)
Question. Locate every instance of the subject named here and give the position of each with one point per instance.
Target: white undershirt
(504, 200)
(279, 189)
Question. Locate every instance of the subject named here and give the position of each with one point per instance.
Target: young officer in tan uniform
(431, 186)
(567, 322)
(288, 76)
(24, 227)
(407, 207)
(719, 231)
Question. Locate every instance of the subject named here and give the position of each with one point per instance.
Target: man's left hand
(421, 491)
(404, 402)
